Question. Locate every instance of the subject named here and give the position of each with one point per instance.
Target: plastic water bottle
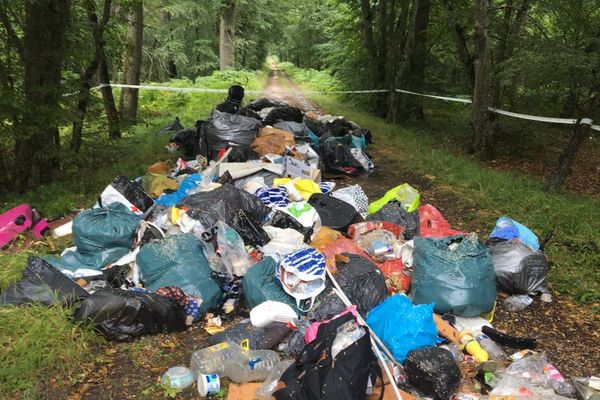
(251, 365)
(494, 351)
(211, 360)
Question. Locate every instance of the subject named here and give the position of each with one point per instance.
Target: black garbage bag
(364, 132)
(339, 127)
(261, 103)
(221, 129)
(334, 213)
(42, 283)
(173, 127)
(337, 156)
(315, 126)
(284, 113)
(433, 371)
(123, 315)
(283, 221)
(242, 153)
(266, 338)
(249, 230)
(191, 141)
(129, 193)
(222, 204)
(396, 214)
(299, 130)
(518, 268)
(362, 282)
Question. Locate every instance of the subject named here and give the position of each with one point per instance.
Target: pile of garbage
(312, 290)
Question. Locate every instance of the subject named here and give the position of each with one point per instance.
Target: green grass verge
(38, 342)
(574, 252)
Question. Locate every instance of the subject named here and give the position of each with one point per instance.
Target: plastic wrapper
(513, 387)
(396, 214)
(517, 302)
(179, 261)
(360, 280)
(368, 226)
(355, 196)
(258, 338)
(324, 237)
(519, 269)
(456, 273)
(405, 194)
(232, 250)
(535, 369)
(283, 241)
(433, 371)
(42, 283)
(123, 315)
(222, 204)
(397, 277)
(343, 245)
(249, 230)
(380, 244)
(221, 129)
(347, 334)
(433, 224)
(260, 284)
(509, 229)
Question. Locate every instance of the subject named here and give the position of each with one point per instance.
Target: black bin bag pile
(267, 259)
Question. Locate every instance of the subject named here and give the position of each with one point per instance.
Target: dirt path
(569, 334)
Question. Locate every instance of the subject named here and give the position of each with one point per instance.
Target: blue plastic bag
(169, 200)
(403, 326)
(508, 229)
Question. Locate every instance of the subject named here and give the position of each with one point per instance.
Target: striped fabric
(327, 187)
(273, 196)
(307, 264)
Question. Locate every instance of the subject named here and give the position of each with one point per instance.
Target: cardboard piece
(243, 391)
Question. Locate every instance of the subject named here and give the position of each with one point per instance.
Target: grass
(38, 342)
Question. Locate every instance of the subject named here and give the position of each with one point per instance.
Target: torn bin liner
(124, 315)
(519, 269)
(396, 214)
(249, 230)
(179, 261)
(260, 284)
(41, 283)
(101, 235)
(433, 371)
(456, 273)
(266, 338)
(233, 251)
(128, 193)
(222, 204)
(222, 128)
(360, 280)
(403, 326)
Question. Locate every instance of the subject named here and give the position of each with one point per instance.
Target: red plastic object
(20, 219)
(396, 275)
(433, 224)
(364, 227)
(343, 245)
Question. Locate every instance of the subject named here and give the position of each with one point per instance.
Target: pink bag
(20, 219)
(311, 331)
(433, 224)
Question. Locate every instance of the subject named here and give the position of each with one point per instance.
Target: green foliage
(38, 342)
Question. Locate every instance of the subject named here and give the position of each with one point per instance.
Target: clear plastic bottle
(493, 349)
(250, 365)
(211, 360)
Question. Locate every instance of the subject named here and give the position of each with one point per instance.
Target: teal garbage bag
(403, 326)
(179, 261)
(260, 284)
(456, 273)
(102, 236)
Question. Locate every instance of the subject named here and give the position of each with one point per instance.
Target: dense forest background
(539, 57)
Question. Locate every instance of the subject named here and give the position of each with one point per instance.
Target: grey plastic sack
(519, 269)
(456, 273)
(223, 128)
(260, 284)
(299, 129)
(179, 261)
(396, 214)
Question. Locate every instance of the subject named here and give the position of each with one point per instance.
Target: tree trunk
(36, 148)
(397, 52)
(227, 36)
(112, 116)
(133, 63)
(418, 60)
(460, 39)
(481, 143)
(88, 73)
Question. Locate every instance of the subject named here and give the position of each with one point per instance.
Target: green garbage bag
(260, 284)
(102, 236)
(404, 194)
(179, 261)
(456, 273)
